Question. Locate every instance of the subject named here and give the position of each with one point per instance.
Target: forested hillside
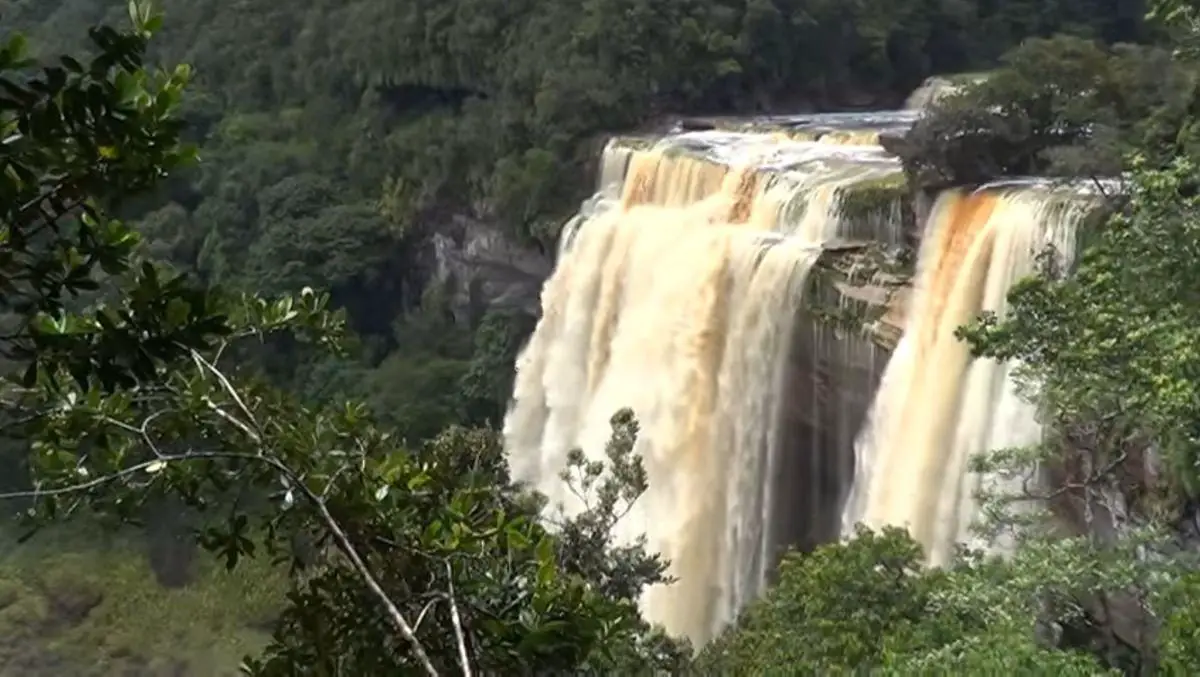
(338, 137)
(395, 155)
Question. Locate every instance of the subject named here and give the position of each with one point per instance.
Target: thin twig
(227, 386)
(424, 610)
(463, 657)
(95, 482)
(350, 551)
(232, 419)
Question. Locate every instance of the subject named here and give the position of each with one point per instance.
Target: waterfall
(936, 406)
(678, 297)
(681, 292)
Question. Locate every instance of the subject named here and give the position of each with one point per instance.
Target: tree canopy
(372, 129)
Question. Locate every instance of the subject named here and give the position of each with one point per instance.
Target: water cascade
(686, 290)
(936, 407)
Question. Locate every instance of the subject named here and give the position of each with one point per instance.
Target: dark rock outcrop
(481, 268)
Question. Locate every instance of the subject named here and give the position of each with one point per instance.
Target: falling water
(678, 293)
(937, 406)
(678, 297)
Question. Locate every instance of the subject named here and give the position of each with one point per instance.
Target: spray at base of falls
(679, 293)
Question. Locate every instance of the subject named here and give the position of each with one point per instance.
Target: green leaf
(153, 24)
(178, 313)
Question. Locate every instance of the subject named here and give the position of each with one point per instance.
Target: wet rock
(483, 268)
(695, 125)
(896, 143)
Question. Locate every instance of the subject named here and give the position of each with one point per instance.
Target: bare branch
(424, 610)
(233, 420)
(351, 552)
(145, 466)
(463, 656)
(227, 386)
(1087, 483)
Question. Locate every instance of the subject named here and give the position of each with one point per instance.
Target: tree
(77, 141)
(1107, 352)
(1062, 106)
(425, 560)
(869, 605)
(1106, 348)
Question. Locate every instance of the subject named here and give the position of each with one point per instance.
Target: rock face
(482, 268)
(832, 376)
(854, 310)
(862, 288)
(937, 87)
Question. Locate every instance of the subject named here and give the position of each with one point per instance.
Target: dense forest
(341, 141)
(355, 202)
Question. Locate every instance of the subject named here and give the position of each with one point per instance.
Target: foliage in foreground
(1113, 346)
(427, 560)
(870, 605)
